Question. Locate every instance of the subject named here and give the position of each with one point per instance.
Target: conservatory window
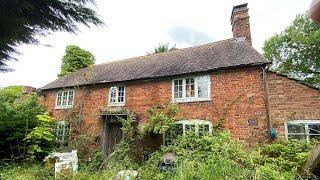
(61, 131)
(191, 89)
(307, 130)
(117, 96)
(198, 127)
(64, 99)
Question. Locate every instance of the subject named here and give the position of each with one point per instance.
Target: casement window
(303, 130)
(198, 127)
(61, 131)
(117, 96)
(64, 99)
(191, 89)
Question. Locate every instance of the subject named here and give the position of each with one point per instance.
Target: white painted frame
(304, 123)
(64, 106)
(190, 99)
(117, 95)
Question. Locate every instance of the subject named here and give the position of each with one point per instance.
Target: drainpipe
(271, 131)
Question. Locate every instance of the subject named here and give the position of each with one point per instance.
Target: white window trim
(304, 122)
(185, 99)
(64, 106)
(117, 95)
(195, 122)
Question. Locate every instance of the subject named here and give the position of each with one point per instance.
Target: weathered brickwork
(290, 100)
(237, 99)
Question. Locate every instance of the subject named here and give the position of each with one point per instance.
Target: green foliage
(17, 119)
(74, 59)
(161, 118)
(40, 139)
(220, 157)
(286, 155)
(23, 20)
(29, 171)
(205, 157)
(124, 149)
(163, 48)
(295, 51)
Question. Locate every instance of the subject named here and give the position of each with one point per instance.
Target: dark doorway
(112, 133)
(114, 136)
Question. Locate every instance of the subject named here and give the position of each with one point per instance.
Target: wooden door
(113, 136)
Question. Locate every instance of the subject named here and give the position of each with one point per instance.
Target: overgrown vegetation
(206, 157)
(17, 119)
(198, 157)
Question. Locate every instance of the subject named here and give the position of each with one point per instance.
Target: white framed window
(198, 127)
(191, 89)
(302, 129)
(117, 96)
(64, 99)
(61, 130)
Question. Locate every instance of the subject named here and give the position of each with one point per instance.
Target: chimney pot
(240, 22)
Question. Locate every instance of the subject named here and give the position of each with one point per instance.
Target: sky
(134, 28)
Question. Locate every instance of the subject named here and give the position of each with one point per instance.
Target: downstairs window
(198, 127)
(61, 131)
(307, 130)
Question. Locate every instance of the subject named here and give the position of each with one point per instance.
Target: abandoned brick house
(203, 81)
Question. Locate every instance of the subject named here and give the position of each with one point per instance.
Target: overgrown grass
(207, 157)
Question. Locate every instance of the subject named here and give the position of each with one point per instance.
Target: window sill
(116, 104)
(191, 100)
(63, 107)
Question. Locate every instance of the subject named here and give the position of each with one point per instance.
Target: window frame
(196, 88)
(195, 122)
(305, 123)
(117, 96)
(64, 127)
(67, 106)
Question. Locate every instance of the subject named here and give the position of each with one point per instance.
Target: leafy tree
(40, 138)
(296, 50)
(75, 58)
(163, 48)
(17, 118)
(22, 20)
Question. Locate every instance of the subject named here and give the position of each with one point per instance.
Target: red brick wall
(237, 93)
(290, 100)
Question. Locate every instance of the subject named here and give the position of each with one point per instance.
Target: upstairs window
(307, 130)
(191, 89)
(65, 99)
(61, 131)
(198, 127)
(117, 96)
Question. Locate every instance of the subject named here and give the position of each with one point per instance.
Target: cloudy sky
(134, 28)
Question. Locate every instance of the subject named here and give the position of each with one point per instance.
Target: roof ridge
(159, 54)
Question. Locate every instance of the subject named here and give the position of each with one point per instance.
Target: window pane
(113, 94)
(70, 99)
(59, 102)
(203, 87)
(121, 94)
(190, 90)
(190, 128)
(291, 136)
(296, 128)
(314, 129)
(64, 98)
(177, 88)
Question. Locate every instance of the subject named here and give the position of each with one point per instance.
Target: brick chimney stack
(240, 22)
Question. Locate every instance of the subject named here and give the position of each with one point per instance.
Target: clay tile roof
(222, 54)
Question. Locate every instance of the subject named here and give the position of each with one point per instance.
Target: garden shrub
(17, 118)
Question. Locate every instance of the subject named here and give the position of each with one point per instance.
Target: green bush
(17, 119)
